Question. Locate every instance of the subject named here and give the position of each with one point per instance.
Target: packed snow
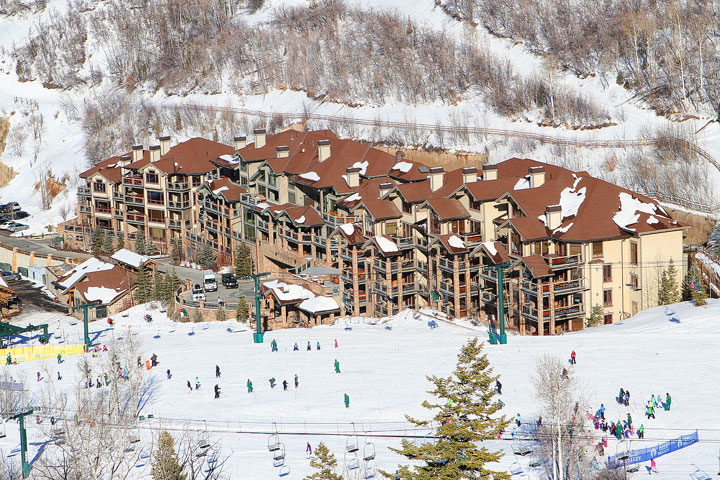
(300, 220)
(456, 242)
(709, 262)
(384, 363)
(402, 166)
(522, 184)
(353, 198)
(627, 215)
(312, 176)
(563, 229)
(319, 304)
(92, 264)
(362, 166)
(490, 247)
(102, 294)
(218, 190)
(385, 244)
(288, 292)
(571, 200)
(128, 257)
(348, 228)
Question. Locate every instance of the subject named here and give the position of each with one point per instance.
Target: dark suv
(229, 280)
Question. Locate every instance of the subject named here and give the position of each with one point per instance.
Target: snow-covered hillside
(665, 349)
(46, 131)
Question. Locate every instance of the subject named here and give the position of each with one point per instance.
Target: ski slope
(665, 349)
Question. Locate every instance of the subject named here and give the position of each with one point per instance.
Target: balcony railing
(156, 202)
(557, 262)
(335, 220)
(134, 200)
(132, 181)
(175, 224)
(156, 220)
(85, 209)
(103, 210)
(136, 218)
(118, 197)
(559, 287)
(84, 191)
(178, 205)
(178, 186)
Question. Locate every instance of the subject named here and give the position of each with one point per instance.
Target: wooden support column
(468, 283)
(13, 265)
(521, 317)
(271, 231)
(341, 285)
(539, 309)
(438, 277)
(328, 252)
(32, 258)
(388, 287)
(356, 283)
(552, 308)
(283, 314)
(371, 284)
(312, 245)
(456, 286)
(400, 283)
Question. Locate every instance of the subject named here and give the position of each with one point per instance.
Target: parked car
(17, 227)
(21, 214)
(229, 280)
(10, 207)
(198, 293)
(10, 275)
(209, 281)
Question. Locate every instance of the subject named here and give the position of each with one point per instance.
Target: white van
(198, 294)
(209, 281)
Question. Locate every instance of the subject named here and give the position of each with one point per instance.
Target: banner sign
(646, 454)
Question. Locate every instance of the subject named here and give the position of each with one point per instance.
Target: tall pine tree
(143, 286)
(242, 311)
(119, 243)
(667, 291)
(466, 414)
(243, 261)
(97, 239)
(140, 243)
(165, 463)
(325, 463)
(108, 244)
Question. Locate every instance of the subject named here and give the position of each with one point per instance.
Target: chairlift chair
(368, 451)
(699, 475)
(204, 439)
(521, 448)
(284, 471)
(351, 444)
(352, 462)
(134, 437)
(515, 468)
(3, 432)
(369, 471)
(279, 454)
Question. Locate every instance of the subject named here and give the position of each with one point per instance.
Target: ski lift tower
(500, 302)
(258, 335)
(23, 440)
(84, 307)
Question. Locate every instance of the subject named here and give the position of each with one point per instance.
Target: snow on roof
(300, 220)
(221, 189)
(385, 244)
(402, 166)
(3, 283)
(456, 242)
(522, 184)
(319, 304)
(542, 219)
(490, 247)
(102, 294)
(90, 265)
(652, 220)
(362, 166)
(709, 262)
(130, 258)
(310, 176)
(228, 158)
(288, 292)
(353, 198)
(348, 228)
(626, 216)
(570, 200)
(263, 205)
(563, 229)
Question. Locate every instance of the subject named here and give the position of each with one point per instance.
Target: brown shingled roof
(354, 238)
(312, 217)
(380, 209)
(537, 266)
(445, 240)
(116, 278)
(187, 158)
(228, 189)
(448, 208)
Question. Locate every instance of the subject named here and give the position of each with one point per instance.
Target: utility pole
(84, 307)
(23, 440)
(500, 299)
(258, 335)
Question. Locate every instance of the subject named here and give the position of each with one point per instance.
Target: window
(291, 198)
(607, 297)
(597, 249)
(272, 179)
(633, 253)
(634, 282)
(101, 311)
(608, 318)
(434, 223)
(475, 204)
(243, 166)
(406, 207)
(151, 177)
(607, 273)
(155, 198)
(196, 180)
(390, 228)
(99, 186)
(575, 249)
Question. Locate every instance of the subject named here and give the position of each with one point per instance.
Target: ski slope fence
(41, 352)
(646, 454)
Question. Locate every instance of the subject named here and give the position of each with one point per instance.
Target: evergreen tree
(165, 463)
(196, 315)
(97, 239)
(693, 288)
(173, 283)
(713, 242)
(140, 244)
(243, 261)
(119, 243)
(206, 255)
(668, 293)
(242, 312)
(325, 463)
(151, 248)
(143, 286)
(108, 244)
(220, 315)
(466, 414)
(176, 252)
(597, 316)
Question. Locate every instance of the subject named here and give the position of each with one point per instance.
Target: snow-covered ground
(665, 349)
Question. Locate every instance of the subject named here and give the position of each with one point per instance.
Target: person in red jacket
(572, 358)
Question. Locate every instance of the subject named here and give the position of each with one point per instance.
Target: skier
(653, 467)
(217, 391)
(59, 357)
(317, 346)
(518, 422)
(629, 420)
(336, 344)
(653, 401)
(189, 386)
(641, 432)
(337, 366)
(139, 362)
(308, 450)
(602, 411)
(217, 371)
(538, 424)
(308, 346)
(650, 412)
(295, 347)
(107, 380)
(197, 384)
(8, 359)
(38, 376)
(249, 386)
(59, 376)
(153, 360)
(627, 398)
(285, 385)
(272, 382)
(169, 375)
(621, 397)
(297, 382)
(572, 358)
(273, 344)
(498, 386)
(98, 384)
(667, 402)
(347, 401)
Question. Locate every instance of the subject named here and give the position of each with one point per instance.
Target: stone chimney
(489, 172)
(469, 174)
(282, 151)
(437, 175)
(553, 216)
(384, 187)
(323, 150)
(164, 144)
(154, 153)
(239, 142)
(137, 153)
(537, 176)
(260, 137)
(353, 177)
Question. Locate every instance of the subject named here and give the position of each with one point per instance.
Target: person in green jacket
(650, 412)
(629, 420)
(641, 432)
(347, 401)
(667, 402)
(8, 360)
(619, 430)
(59, 358)
(337, 366)
(622, 395)
(249, 386)
(273, 345)
(272, 382)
